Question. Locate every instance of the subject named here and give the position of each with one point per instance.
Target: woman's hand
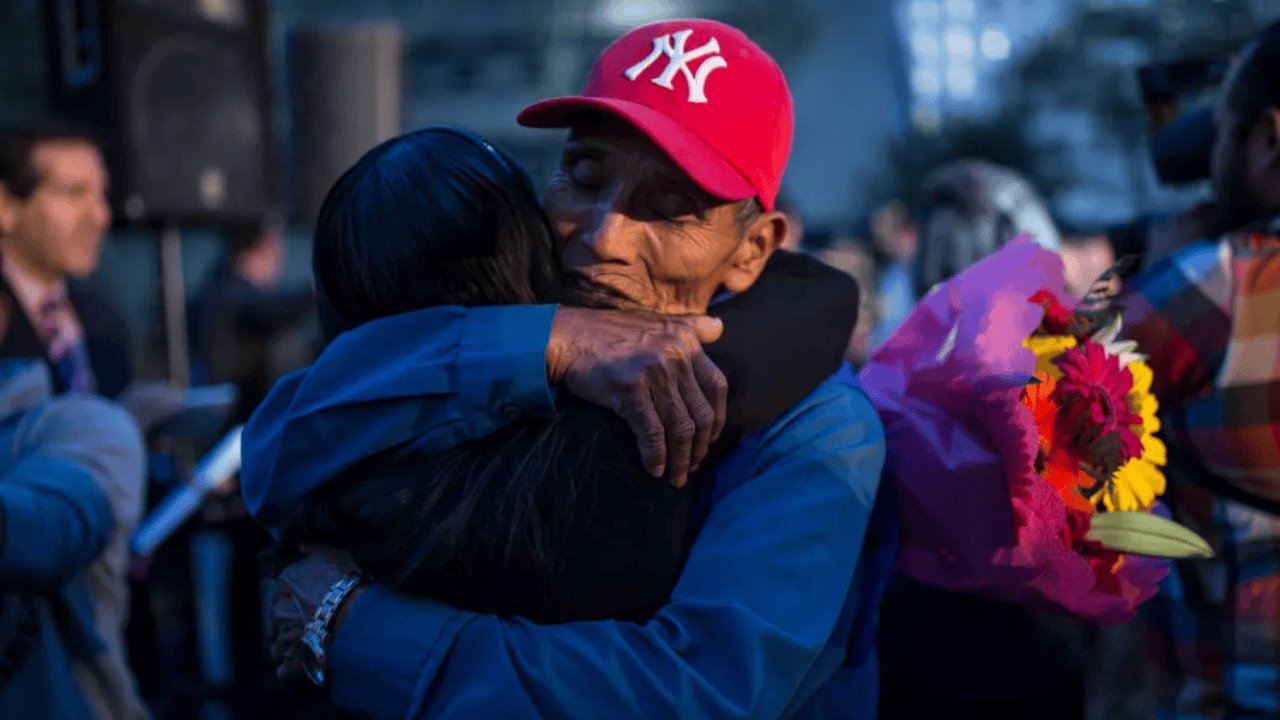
(651, 370)
(300, 589)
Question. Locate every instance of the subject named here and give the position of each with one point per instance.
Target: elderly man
(664, 201)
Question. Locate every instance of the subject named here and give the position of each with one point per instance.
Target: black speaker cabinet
(181, 92)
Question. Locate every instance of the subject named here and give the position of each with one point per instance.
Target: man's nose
(100, 212)
(612, 237)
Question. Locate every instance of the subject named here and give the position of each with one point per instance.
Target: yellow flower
(1153, 450)
(1138, 482)
(1046, 348)
(1135, 486)
(1141, 401)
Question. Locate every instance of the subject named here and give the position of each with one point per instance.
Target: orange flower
(1038, 398)
(1056, 461)
(1063, 470)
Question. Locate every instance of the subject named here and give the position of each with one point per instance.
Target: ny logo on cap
(673, 46)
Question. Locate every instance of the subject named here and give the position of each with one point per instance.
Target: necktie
(66, 349)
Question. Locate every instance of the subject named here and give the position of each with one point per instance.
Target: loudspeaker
(347, 97)
(180, 91)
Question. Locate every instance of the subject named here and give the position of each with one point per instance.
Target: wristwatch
(315, 637)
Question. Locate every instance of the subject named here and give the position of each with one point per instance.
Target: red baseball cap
(715, 102)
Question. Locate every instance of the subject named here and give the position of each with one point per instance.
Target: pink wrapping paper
(975, 516)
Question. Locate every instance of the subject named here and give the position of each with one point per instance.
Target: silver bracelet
(316, 635)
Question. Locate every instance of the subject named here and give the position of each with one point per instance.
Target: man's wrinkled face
(58, 231)
(636, 232)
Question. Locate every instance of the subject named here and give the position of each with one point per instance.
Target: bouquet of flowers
(1022, 441)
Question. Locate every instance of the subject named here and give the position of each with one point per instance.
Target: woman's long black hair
(551, 519)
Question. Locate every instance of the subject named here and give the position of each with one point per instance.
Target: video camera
(1180, 97)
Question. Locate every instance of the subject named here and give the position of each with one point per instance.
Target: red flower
(1092, 394)
(1056, 317)
(1106, 564)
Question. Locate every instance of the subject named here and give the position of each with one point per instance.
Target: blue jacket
(773, 615)
(58, 518)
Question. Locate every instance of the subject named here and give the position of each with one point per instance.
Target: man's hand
(650, 370)
(300, 589)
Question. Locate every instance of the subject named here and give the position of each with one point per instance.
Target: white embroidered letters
(673, 46)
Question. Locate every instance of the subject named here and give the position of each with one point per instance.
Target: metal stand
(173, 289)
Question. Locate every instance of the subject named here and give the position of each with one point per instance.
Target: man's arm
(444, 375)
(758, 600)
(57, 516)
(1178, 311)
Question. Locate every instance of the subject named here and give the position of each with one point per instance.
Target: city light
(995, 44)
(925, 81)
(620, 14)
(961, 9)
(924, 11)
(961, 81)
(959, 43)
(925, 44)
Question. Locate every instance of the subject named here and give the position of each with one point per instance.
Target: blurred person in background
(856, 260)
(973, 208)
(893, 233)
(66, 471)
(241, 314)
(54, 216)
(955, 654)
(1209, 316)
(1085, 257)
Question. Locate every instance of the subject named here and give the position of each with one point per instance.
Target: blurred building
(960, 49)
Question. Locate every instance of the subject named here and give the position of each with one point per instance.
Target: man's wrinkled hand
(300, 589)
(652, 371)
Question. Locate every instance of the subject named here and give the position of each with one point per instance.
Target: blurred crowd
(972, 208)
(88, 451)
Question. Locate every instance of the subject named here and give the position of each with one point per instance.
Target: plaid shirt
(1209, 317)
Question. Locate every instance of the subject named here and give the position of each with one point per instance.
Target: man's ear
(761, 239)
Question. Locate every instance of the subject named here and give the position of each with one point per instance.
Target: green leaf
(1143, 533)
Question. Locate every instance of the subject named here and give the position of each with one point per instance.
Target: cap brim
(695, 157)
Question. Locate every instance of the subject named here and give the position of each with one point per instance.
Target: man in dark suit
(54, 215)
